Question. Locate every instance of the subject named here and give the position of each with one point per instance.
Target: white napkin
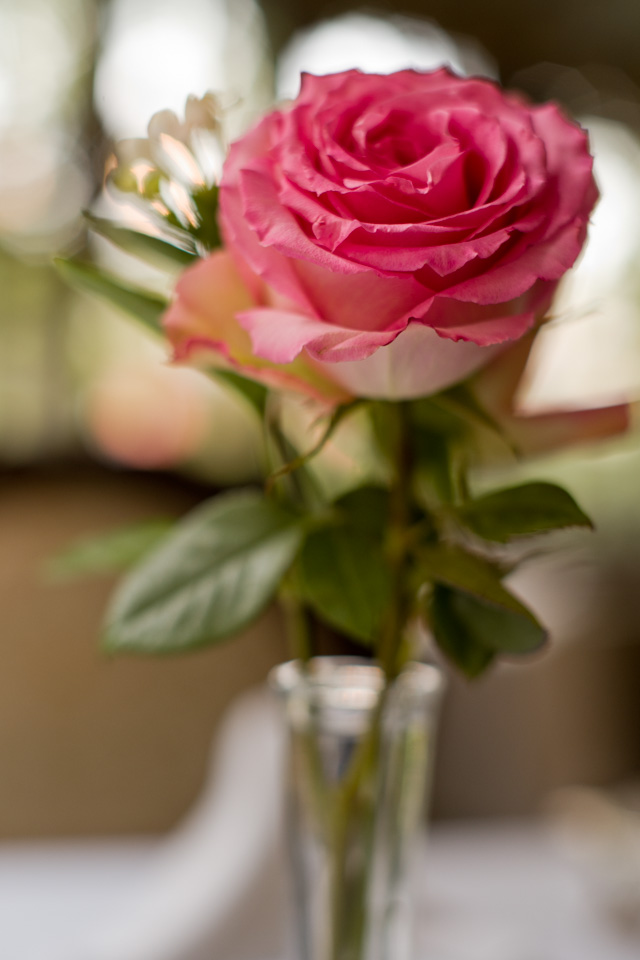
(215, 888)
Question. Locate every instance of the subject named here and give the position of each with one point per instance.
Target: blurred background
(96, 432)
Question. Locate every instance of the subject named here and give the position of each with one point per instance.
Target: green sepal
(143, 305)
(459, 401)
(207, 232)
(213, 574)
(432, 416)
(253, 392)
(522, 511)
(153, 249)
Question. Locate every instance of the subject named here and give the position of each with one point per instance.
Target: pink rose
(395, 231)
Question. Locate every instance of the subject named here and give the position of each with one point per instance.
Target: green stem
(353, 819)
(302, 459)
(298, 627)
(353, 823)
(300, 641)
(390, 645)
(297, 487)
(278, 451)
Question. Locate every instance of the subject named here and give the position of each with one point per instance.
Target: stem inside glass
(360, 753)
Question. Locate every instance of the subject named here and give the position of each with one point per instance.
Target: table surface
(489, 892)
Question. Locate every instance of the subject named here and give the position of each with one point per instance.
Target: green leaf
(214, 573)
(487, 613)
(146, 307)
(453, 638)
(366, 509)
(343, 576)
(253, 392)
(113, 552)
(522, 511)
(153, 249)
(456, 567)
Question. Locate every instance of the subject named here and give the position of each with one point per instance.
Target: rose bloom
(386, 236)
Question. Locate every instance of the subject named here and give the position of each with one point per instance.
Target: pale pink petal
(203, 329)
(208, 296)
(496, 387)
(302, 376)
(550, 431)
(417, 363)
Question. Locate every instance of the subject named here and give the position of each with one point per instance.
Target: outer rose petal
(562, 428)
(496, 387)
(418, 362)
(493, 323)
(281, 335)
(202, 327)
(263, 261)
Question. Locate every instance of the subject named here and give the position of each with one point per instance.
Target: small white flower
(186, 152)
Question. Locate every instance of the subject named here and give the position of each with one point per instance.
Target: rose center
(395, 140)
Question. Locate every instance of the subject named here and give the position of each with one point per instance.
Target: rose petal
(551, 431)
(277, 228)
(525, 265)
(365, 301)
(202, 327)
(417, 363)
(208, 296)
(280, 336)
(495, 323)
(263, 261)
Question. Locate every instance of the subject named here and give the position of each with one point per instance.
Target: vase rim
(363, 678)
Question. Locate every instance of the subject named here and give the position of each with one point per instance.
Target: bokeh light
(376, 44)
(157, 52)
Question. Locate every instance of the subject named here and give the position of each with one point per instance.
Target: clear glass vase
(359, 762)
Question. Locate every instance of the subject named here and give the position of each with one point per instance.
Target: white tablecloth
(214, 890)
(490, 893)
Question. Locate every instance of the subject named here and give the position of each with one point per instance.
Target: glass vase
(360, 755)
